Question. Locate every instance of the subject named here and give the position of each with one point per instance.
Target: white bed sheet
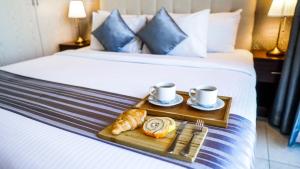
(25, 143)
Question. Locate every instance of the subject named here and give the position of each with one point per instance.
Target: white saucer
(178, 99)
(219, 104)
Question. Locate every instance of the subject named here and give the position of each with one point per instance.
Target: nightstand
(72, 45)
(268, 72)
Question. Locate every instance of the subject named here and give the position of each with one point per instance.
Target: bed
(27, 143)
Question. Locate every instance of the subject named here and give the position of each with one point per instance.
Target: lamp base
(276, 52)
(79, 40)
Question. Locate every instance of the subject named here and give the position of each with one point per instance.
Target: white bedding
(25, 143)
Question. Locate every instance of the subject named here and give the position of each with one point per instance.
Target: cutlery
(197, 130)
(178, 132)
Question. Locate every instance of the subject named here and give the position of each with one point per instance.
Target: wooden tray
(185, 112)
(137, 139)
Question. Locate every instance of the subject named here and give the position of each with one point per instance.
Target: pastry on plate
(172, 124)
(159, 127)
(129, 120)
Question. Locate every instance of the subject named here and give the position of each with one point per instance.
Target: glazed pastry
(129, 120)
(157, 127)
(172, 124)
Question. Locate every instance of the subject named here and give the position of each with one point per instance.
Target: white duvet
(25, 143)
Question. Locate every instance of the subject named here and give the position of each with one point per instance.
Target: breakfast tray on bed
(137, 139)
(185, 112)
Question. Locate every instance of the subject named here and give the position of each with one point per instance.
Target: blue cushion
(161, 34)
(114, 33)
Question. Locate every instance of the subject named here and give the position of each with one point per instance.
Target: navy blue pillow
(114, 33)
(161, 34)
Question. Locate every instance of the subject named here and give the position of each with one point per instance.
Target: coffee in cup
(205, 96)
(163, 92)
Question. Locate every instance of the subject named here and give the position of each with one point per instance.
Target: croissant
(129, 120)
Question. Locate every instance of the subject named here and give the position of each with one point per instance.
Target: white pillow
(134, 22)
(195, 26)
(222, 31)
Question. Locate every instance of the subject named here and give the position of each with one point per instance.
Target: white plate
(219, 104)
(178, 99)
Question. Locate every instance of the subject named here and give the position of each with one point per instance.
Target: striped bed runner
(86, 111)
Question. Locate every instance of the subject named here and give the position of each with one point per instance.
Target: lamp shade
(76, 9)
(280, 8)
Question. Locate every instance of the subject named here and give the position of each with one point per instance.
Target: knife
(178, 132)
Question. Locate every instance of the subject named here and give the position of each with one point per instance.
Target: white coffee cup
(205, 96)
(163, 92)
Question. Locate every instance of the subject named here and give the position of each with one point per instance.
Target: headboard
(244, 38)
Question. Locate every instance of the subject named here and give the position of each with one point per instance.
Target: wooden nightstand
(268, 72)
(72, 45)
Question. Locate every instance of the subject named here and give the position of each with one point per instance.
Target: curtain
(288, 94)
(296, 129)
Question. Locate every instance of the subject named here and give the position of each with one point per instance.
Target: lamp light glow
(76, 9)
(281, 8)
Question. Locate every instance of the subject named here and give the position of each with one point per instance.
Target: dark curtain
(288, 95)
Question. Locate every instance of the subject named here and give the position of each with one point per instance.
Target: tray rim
(221, 122)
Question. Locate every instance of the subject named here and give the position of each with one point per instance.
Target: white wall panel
(148, 7)
(136, 8)
(198, 5)
(221, 6)
(19, 38)
(54, 25)
(164, 3)
(181, 6)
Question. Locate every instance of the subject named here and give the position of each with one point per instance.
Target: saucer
(219, 104)
(178, 99)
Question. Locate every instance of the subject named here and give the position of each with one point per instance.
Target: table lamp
(282, 9)
(77, 12)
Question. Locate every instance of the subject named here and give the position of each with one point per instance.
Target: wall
(29, 31)
(264, 36)
(90, 6)
(86, 23)
(266, 28)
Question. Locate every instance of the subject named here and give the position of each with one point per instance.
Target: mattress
(25, 143)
